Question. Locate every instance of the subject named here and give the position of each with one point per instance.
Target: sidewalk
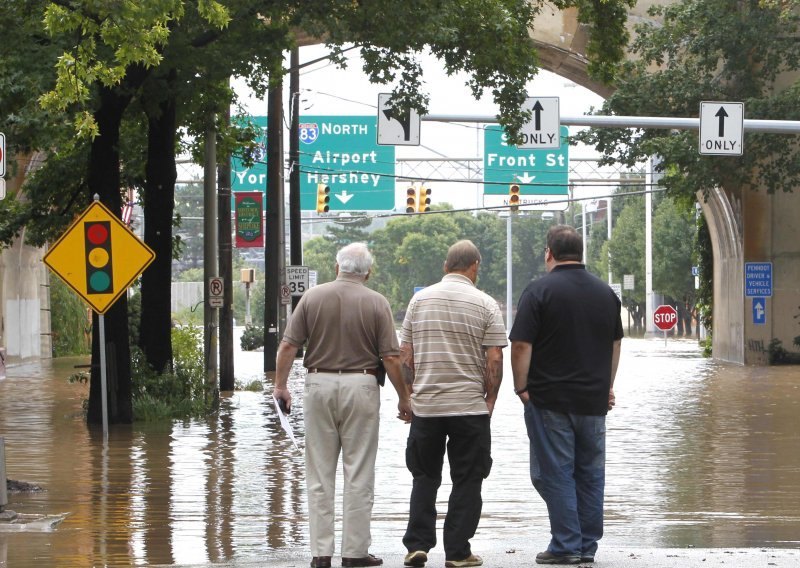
(611, 557)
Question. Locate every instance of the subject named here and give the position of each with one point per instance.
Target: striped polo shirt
(449, 324)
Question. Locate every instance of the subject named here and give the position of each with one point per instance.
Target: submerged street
(701, 455)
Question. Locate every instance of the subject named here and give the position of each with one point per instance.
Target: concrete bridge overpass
(746, 226)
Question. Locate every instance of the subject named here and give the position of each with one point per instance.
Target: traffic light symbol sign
(513, 196)
(99, 277)
(323, 198)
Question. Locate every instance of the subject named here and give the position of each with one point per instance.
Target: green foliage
(176, 393)
(705, 265)
(320, 254)
(253, 386)
(134, 315)
(252, 338)
(717, 50)
(70, 321)
(777, 354)
(672, 250)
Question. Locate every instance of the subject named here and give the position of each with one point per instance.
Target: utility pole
(210, 257)
(274, 246)
(295, 225)
(226, 379)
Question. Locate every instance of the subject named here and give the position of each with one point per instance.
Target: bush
(70, 321)
(179, 392)
(252, 338)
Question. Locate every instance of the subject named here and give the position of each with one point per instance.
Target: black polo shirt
(572, 319)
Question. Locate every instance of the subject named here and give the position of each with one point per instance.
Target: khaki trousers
(341, 415)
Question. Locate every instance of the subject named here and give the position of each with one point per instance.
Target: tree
(319, 254)
(627, 256)
(674, 237)
(714, 50)
(164, 63)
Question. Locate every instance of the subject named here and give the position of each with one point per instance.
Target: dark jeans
(469, 447)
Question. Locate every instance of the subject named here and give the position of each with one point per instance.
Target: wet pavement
(703, 469)
(611, 558)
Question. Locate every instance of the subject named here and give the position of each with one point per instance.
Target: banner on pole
(249, 206)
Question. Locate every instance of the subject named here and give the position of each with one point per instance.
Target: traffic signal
(513, 196)
(424, 202)
(97, 239)
(411, 200)
(323, 198)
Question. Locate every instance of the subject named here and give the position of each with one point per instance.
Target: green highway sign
(542, 175)
(342, 152)
(253, 178)
(338, 151)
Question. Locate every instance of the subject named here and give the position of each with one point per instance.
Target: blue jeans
(568, 463)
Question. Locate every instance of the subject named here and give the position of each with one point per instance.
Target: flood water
(699, 454)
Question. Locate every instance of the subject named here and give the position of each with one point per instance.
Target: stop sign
(665, 317)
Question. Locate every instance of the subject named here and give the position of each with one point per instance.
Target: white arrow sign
(525, 178)
(758, 306)
(344, 197)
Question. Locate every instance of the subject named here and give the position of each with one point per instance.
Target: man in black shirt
(565, 346)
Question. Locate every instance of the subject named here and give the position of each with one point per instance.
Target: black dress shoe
(368, 560)
(321, 562)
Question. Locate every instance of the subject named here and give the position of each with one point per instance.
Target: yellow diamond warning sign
(99, 257)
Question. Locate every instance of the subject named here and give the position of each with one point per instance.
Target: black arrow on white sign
(404, 120)
(537, 119)
(722, 115)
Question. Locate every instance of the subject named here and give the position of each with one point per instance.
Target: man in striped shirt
(452, 354)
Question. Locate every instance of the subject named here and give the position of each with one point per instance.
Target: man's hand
(404, 411)
(612, 400)
(493, 376)
(284, 395)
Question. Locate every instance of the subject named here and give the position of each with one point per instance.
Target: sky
(326, 89)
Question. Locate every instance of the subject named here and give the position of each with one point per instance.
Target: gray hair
(355, 258)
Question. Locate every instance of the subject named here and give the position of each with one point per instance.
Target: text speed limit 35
(297, 279)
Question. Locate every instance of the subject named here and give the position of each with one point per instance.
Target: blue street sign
(418, 288)
(757, 279)
(759, 311)
(542, 175)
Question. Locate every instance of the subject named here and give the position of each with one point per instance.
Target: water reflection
(698, 453)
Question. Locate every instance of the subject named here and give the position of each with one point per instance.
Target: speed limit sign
(297, 279)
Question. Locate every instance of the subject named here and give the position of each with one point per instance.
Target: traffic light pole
(509, 271)
(101, 325)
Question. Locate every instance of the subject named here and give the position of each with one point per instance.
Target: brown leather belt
(373, 372)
